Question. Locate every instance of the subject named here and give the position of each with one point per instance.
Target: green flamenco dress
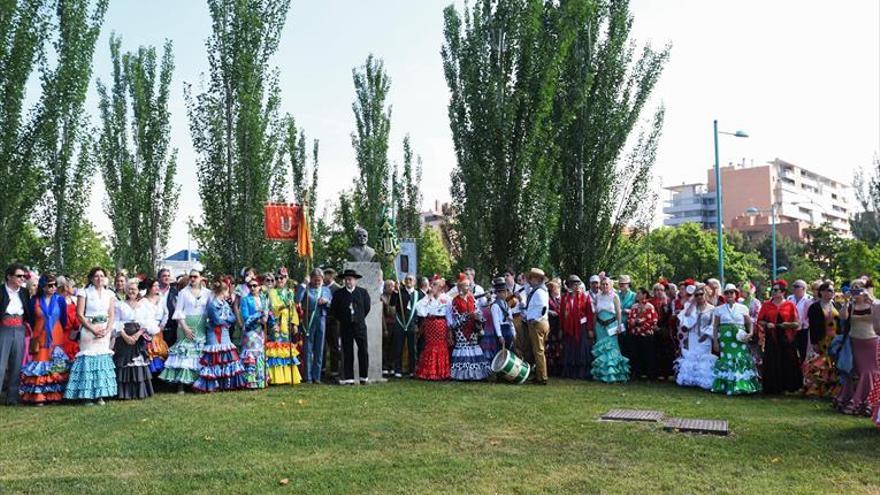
(182, 365)
(609, 365)
(735, 371)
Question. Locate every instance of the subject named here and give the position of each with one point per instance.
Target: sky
(802, 78)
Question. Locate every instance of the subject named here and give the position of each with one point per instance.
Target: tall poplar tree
(370, 141)
(237, 133)
(139, 177)
(408, 194)
(502, 61)
(64, 140)
(605, 186)
(24, 27)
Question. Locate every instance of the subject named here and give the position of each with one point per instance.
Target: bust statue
(360, 251)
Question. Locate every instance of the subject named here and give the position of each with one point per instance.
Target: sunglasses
(270, 280)
(193, 277)
(51, 285)
(20, 275)
(699, 294)
(282, 277)
(253, 286)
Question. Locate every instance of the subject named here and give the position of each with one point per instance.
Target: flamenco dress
(468, 361)
(253, 355)
(735, 371)
(220, 368)
(696, 366)
(282, 357)
(44, 377)
(182, 366)
(93, 374)
(133, 377)
(434, 362)
(609, 365)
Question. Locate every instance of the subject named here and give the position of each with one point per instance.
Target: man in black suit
(14, 313)
(350, 307)
(334, 349)
(404, 300)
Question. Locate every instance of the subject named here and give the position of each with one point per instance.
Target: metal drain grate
(709, 426)
(632, 415)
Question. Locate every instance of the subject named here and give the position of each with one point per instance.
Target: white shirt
(498, 318)
(735, 315)
(15, 307)
(433, 306)
(538, 303)
(802, 307)
(189, 305)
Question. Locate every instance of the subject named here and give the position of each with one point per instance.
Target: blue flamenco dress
(93, 374)
(220, 367)
(609, 365)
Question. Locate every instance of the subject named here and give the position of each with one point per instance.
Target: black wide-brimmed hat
(348, 272)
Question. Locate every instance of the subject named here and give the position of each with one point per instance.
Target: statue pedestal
(372, 282)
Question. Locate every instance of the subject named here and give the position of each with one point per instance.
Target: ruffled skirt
(282, 359)
(695, 368)
(182, 365)
(735, 371)
(91, 377)
(576, 357)
(158, 352)
(468, 361)
(133, 377)
(609, 365)
(219, 369)
(44, 381)
(434, 359)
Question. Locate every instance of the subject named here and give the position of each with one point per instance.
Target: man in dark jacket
(404, 302)
(350, 307)
(14, 313)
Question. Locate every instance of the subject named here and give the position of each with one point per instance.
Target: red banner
(282, 221)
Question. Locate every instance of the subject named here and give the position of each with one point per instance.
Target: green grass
(413, 437)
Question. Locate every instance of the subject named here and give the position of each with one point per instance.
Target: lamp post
(718, 227)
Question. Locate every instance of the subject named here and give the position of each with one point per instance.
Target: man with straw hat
(535, 316)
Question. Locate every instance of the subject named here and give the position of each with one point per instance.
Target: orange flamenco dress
(44, 377)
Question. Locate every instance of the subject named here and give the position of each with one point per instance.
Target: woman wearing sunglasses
(860, 311)
(281, 353)
(255, 316)
(695, 367)
(182, 365)
(43, 379)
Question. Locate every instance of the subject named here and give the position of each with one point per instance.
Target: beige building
(803, 198)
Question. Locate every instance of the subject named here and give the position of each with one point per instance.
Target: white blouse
(189, 305)
(433, 306)
(605, 302)
(97, 303)
(735, 315)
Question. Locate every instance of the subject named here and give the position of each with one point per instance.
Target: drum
(511, 366)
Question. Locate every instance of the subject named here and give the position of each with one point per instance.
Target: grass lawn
(413, 437)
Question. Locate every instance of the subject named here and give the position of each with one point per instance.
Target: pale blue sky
(802, 77)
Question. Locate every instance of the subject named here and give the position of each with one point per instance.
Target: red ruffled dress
(434, 363)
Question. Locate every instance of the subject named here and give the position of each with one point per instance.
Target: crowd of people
(60, 342)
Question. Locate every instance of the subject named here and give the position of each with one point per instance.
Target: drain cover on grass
(632, 415)
(710, 426)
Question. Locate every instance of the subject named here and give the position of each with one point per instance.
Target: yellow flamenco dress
(281, 353)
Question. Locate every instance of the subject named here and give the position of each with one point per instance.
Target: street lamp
(740, 134)
(754, 211)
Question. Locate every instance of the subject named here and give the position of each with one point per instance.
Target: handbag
(841, 351)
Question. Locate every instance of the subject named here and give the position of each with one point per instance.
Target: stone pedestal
(372, 282)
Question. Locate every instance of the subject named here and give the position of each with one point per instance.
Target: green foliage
(502, 61)
(63, 139)
(865, 224)
(858, 258)
(370, 143)
(823, 246)
(432, 254)
(688, 251)
(408, 194)
(542, 105)
(24, 28)
(604, 89)
(90, 249)
(141, 193)
(238, 135)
